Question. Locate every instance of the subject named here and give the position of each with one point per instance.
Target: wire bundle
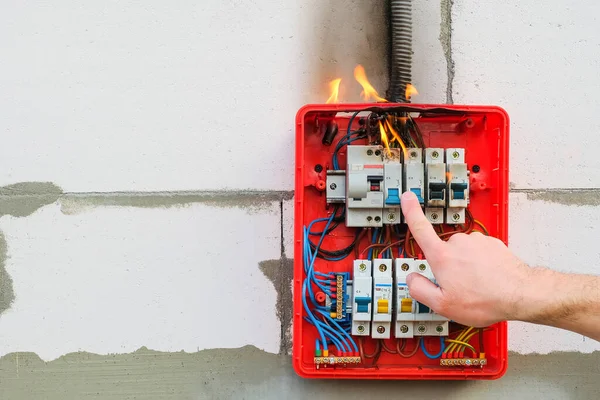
(329, 330)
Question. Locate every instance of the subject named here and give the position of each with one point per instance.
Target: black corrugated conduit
(401, 49)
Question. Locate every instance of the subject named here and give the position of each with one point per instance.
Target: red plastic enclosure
(484, 133)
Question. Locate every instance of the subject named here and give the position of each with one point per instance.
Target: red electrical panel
(484, 134)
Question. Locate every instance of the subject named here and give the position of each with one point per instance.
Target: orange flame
(368, 89)
(384, 138)
(396, 136)
(334, 87)
(410, 91)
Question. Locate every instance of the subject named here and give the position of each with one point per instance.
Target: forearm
(567, 301)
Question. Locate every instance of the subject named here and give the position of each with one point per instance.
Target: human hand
(480, 280)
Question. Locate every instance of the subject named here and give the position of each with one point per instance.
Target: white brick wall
(160, 96)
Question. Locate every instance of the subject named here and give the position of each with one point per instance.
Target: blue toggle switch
(418, 193)
(393, 197)
(362, 304)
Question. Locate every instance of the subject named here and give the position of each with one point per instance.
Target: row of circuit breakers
(378, 298)
(376, 177)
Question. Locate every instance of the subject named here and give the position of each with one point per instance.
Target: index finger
(420, 227)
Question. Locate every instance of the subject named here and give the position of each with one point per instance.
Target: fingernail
(409, 279)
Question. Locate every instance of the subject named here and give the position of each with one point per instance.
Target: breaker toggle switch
(437, 191)
(383, 306)
(362, 304)
(393, 197)
(406, 305)
(418, 193)
(458, 190)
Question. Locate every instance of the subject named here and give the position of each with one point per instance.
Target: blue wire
(336, 342)
(433, 356)
(312, 317)
(309, 259)
(338, 336)
(341, 143)
(331, 320)
(375, 232)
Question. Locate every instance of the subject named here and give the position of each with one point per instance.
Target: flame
(396, 136)
(368, 89)
(384, 138)
(334, 87)
(410, 91)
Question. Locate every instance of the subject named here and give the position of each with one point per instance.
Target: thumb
(424, 291)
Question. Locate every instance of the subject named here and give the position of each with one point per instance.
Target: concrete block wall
(146, 178)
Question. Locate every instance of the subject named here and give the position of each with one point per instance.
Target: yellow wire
(458, 338)
(463, 344)
(466, 339)
(482, 227)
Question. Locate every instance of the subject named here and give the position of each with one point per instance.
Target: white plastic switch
(458, 186)
(382, 299)
(364, 186)
(362, 297)
(414, 177)
(392, 190)
(404, 306)
(435, 182)
(414, 318)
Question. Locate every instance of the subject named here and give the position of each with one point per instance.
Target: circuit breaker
(392, 190)
(364, 184)
(458, 185)
(373, 186)
(382, 298)
(435, 174)
(413, 318)
(362, 297)
(414, 173)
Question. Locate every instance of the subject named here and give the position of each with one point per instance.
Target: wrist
(542, 298)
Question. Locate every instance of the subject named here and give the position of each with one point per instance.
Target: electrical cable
(387, 349)
(412, 352)
(363, 353)
(433, 356)
(464, 344)
(331, 320)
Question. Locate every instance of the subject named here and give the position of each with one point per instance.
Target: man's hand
(480, 280)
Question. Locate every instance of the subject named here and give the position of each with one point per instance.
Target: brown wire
(360, 237)
(413, 352)
(400, 345)
(389, 246)
(387, 349)
(362, 352)
(372, 246)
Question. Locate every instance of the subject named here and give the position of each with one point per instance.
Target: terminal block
(435, 180)
(414, 176)
(362, 297)
(463, 362)
(411, 317)
(458, 186)
(382, 299)
(340, 307)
